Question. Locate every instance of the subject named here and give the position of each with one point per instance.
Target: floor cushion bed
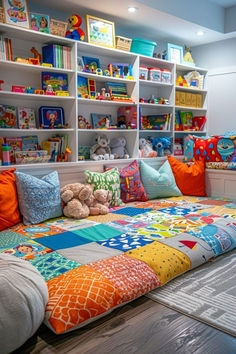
(93, 266)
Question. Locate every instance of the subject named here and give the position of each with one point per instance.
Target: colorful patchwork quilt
(91, 266)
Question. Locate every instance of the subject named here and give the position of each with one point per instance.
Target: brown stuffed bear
(75, 196)
(99, 202)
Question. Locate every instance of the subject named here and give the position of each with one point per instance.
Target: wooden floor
(141, 327)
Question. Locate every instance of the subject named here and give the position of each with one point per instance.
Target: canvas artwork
(100, 31)
(16, 12)
(40, 22)
(99, 120)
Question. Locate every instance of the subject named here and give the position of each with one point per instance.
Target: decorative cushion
(159, 184)
(189, 179)
(109, 180)
(188, 148)
(24, 296)
(9, 212)
(131, 187)
(39, 199)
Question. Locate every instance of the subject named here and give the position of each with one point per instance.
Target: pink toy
(1, 82)
(18, 89)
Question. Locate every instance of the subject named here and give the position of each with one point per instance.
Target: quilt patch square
(68, 224)
(9, 239)
(97, 232)
(28, 250)
(176, 211)
(53, 264)
(63, 240)
(125, 242)
(212, 202)
(40, 230)
(130, 211)
(106, 218)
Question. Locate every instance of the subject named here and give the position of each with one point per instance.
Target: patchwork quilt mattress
(94, 265)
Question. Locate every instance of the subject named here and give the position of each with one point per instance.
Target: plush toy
(118, 148)
(99, 202)
(145, 148)
(75, 32)
(162, 146)
(101, 150)
(74, 196)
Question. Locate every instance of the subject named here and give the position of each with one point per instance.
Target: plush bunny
(118, 148)
(101, 150)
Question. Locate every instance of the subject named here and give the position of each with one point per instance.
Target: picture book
(52, 148)
(116, 88)
(51, 117)
(82, 86)
(99, 120)
(29, 143)
(178, 123)
(186, 120)
(15, 145)
(199, 122)
(129, 115)
(26, 118)
(158, 121)
(8, 117)
(59, 82)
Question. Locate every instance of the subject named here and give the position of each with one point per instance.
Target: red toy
(16, 88)
(1, 82)
(75, 32)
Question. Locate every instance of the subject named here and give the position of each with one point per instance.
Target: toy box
(26, 118)
(8, 116)
(142, 46)
(37, 156)
(51, 117)
(59, 82)
(99, 120)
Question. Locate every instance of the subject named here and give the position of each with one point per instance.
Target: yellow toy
(47, 64)
(188, 56)
(181, 81)
(62, 93)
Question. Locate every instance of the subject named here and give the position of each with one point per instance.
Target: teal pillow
(39, 198)
(159, 184)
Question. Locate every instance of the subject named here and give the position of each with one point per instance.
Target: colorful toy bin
(143, 47)
(143, 72)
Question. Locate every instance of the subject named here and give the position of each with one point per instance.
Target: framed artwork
(99, 120)
(51, 117)
(174, 53)
(40, 22)
(101, 32)
(16, 13)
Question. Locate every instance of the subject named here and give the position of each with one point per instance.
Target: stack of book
(57, 55)
(56, 147)
(5, 48)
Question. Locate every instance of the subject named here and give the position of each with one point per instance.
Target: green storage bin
(143, 47)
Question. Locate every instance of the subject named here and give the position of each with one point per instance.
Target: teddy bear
(99, 202)
(145, 148)
(74, 196)
(118, 148)
(101, 150)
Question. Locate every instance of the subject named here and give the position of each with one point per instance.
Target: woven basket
(123, 43)
(58, 28)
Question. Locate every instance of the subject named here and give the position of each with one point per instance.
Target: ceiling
(158, 20)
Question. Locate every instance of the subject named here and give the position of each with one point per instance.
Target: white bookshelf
(14, 73)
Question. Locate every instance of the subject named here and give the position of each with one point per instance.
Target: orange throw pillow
(9, 212)
(189, 179)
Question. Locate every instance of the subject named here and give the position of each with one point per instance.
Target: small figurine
(37, 55)
(49, 90)
(75, 32)
(188, 56)
(107, 124)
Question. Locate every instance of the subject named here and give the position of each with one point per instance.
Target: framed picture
(40, 22)
(80, 64)
(51, 117)
(174, 53)
(16, 13)
(101, 32)
(99, 120)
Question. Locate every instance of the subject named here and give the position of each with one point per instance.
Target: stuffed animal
(74, 196)
(99, 202)
(118, 148)
(145, 148)
(162, 146)
(75, 32)
(101, 150)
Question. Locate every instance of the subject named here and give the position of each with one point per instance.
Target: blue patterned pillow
(39, 198)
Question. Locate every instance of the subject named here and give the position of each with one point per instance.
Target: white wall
(220, 59)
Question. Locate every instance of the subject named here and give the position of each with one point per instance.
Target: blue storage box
(143, 47)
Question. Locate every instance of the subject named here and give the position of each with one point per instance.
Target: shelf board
(104, 78)
(155, 105)
(29, 67)
(163, 158)
(107, 130)
(184, 67)
(190, 89)
(184, 108)
(116, 161)
(39, 165)
(34, 36)
(154, 83)
(32, 96)
(156, 62)
(29, 131)
(154, 131)
(104, 102)
(189, 132)
(84, 47)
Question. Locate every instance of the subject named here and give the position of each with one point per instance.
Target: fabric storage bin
(143, 47)
(165, 76)
(143, 72)
(155, 74)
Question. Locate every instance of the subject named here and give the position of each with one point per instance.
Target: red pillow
(9, 212)
(189, 179)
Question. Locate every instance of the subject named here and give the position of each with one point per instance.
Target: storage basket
(2, 16)
(123, 43)
(143, 47)
(58, 28)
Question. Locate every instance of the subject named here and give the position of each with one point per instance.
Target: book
(52, 148)
(82, 83)
(26, 118)
(58, 81)
(8, 117)
(199, 122)
(99, 120)
(186, 120)
(158, 121)
(48, 54)
(15, 145)
(1, 142)
(29, 143)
